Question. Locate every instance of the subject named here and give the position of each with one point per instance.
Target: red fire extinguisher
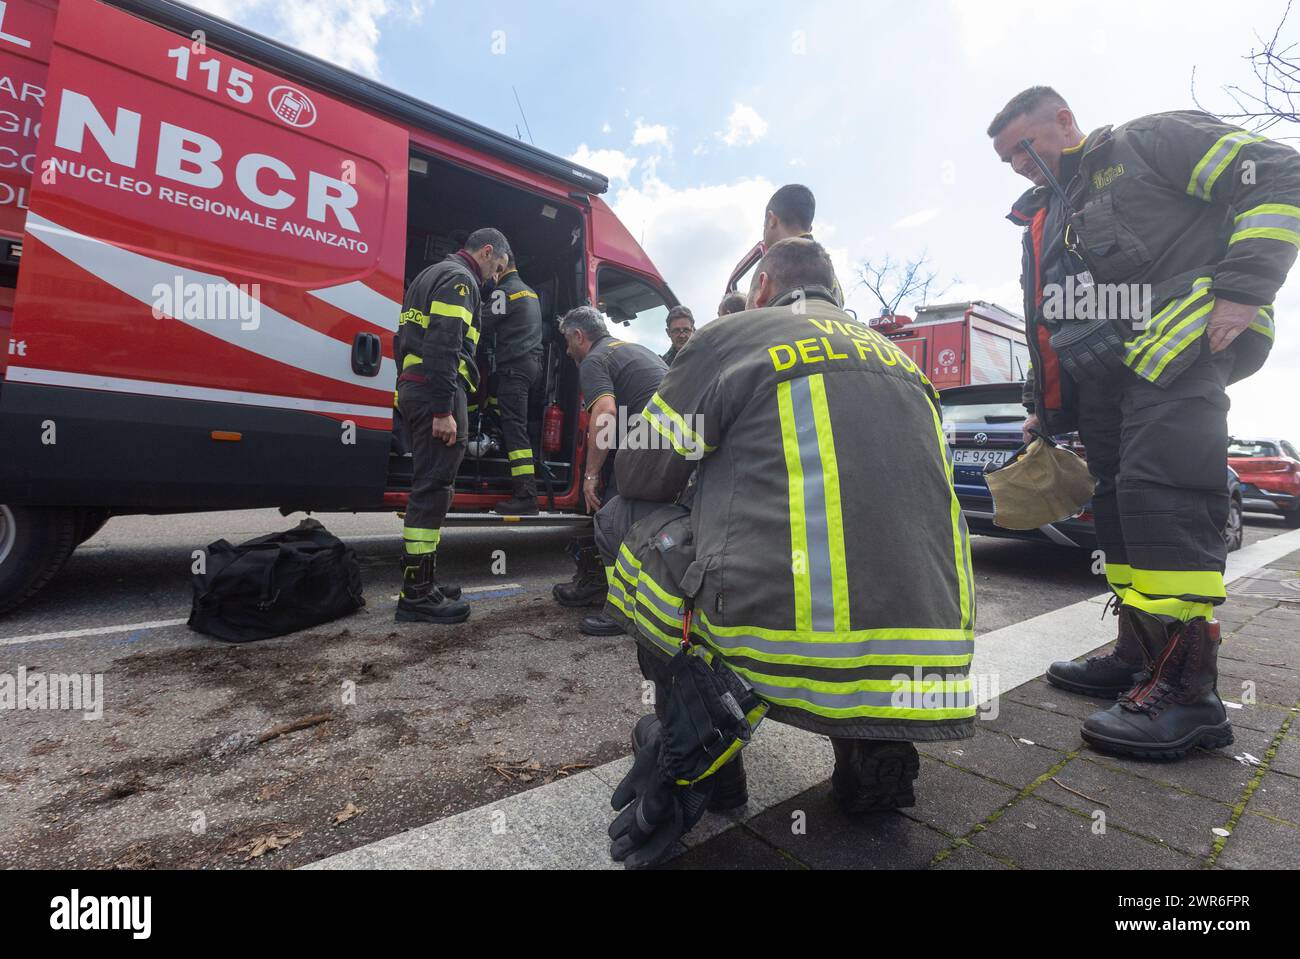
(552, 428)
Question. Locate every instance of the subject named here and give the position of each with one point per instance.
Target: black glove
(656, 812)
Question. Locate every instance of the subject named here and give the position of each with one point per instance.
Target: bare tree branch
(1276, 67)
(891, 282)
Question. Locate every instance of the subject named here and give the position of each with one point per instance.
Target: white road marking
(164, 623)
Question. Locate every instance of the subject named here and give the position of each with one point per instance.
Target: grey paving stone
(1037, 835)
(1285, 682)
(1287, 759)
(1259, 843)
(997, 756)
(833, 840)
(1277, 796)
(970, 858)
(954, 801)
(1158, 812)
(1043, 695)
(736, 849)
(1213, 774)
(1042, 726)
(1260, 718)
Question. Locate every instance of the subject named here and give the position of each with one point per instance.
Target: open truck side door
(211, 277)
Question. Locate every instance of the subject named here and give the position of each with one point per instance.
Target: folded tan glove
(1042, 483)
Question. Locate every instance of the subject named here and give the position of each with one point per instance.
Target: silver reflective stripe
(649, 598)
(846, 650)
(814, 505)
(1212, 165)
(1278, 221)
(1174, 345)
(851, 700)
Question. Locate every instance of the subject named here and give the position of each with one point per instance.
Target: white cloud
(919, 218)
(344, 32)
(650, 135)
(615, 164)
(744, 127)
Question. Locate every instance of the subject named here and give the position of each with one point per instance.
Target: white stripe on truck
(113, 384)
(276, 337)
(361, 301)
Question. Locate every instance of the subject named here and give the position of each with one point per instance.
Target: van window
(625, 299)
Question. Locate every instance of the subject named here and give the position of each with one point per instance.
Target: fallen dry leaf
(263, 844)
(350, 811)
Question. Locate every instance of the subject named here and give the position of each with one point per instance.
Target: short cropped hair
(487, 236)
(587, 320)
(679, 313)
(1026, 101)
(733, 302)
(797, 263)
(794, 205)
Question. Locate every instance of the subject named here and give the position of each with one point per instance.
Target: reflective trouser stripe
(522, 468)
(1182, 594)
(1206, 172)
(421, 541)
(1120, 578)
(525, 470)
(816, 521)
(1273, 221)
(960, 536)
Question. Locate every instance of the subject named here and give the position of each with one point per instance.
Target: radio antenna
(524, 115)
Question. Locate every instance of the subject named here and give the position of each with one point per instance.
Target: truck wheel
(35, 542)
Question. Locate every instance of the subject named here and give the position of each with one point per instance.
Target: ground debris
(272, 841)
(350, 811)
(239, 742)
(529, 770)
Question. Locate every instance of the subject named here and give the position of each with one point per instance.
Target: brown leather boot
(1177, 708)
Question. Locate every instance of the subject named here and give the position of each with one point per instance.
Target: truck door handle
(367, 354)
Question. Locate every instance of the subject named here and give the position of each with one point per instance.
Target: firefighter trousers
(434, 471)
(1160, 460)
(514, 386)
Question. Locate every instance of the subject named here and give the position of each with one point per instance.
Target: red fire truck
(958, 344)
(204, 241)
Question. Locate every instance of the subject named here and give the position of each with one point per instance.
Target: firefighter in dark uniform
(437, 338)
(824, 559)
(1185, 228)
(789, 215)
(513, 318)
(613, 374)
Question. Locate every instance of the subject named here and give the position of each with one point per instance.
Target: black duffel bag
(275, 584)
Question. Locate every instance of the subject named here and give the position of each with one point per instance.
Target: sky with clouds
(698, 109)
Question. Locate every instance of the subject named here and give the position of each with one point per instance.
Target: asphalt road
(195, 761)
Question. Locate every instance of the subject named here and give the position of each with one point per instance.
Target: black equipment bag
(275, 584)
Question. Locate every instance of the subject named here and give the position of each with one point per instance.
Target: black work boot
(589, 583)
(447, 590)
(1105, 677)
(600, 625)
(731, 787)
(874, 775)
(524, 500)
(422, 601)
(1175, 710)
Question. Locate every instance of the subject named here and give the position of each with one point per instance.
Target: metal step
(541, 519)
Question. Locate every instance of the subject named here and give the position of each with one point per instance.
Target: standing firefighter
(823, 558)
(1152, 254)
(515, 315)
(437, 337)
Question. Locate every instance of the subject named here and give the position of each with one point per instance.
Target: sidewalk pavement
(1024, 793)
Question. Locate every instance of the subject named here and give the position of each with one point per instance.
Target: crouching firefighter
(1152, 254)
(437, 337)
(818, 564)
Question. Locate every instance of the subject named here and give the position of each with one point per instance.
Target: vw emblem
(981, 439)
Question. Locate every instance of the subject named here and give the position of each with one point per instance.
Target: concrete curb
(562, 825)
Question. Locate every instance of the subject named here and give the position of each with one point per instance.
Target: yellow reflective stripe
(411, 359)
(1264, 322)
(961, 549)
(413, 316)
(464, 372)
(1160, 323)
(1270, 209)
(420, 549)
(1201, 584)
(1173, 345)
(524, 470)
(1179, 609)
(473, 334)
(414, 534)
(680, 423)
(799, 560)
(438, 308)
(795, 684)
(652, 418)
(1207, 171)
(920, 634)
(1267, 233)
(523, 293)
(520, 454)
(831, 491)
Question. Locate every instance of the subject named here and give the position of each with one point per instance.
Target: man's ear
(762, 291)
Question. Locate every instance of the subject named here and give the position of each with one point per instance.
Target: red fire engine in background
(958, 344)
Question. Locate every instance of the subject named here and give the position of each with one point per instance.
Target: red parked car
(1270, 476)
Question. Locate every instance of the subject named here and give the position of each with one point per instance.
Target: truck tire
(35, 542)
